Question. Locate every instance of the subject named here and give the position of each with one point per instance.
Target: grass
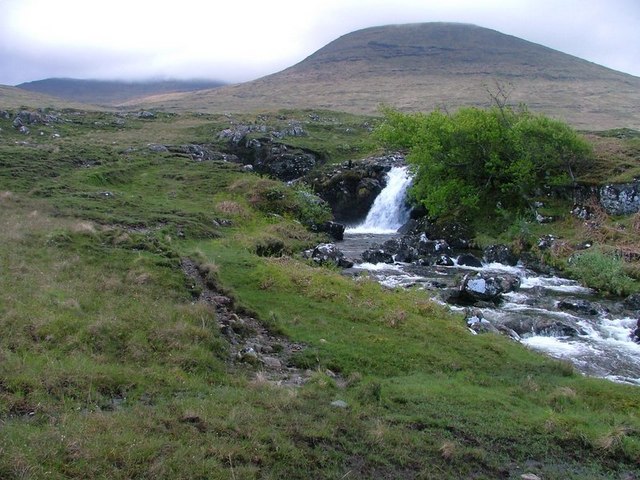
(111, 368)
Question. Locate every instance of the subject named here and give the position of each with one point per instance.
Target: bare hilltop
(419, 67)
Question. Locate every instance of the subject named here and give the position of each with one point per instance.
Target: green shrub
(602, 271)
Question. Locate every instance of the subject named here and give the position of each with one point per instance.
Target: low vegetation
(112, 367)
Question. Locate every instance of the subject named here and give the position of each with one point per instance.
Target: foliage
(482, 161)
(603, 271)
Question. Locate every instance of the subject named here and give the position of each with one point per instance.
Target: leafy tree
(480, 162)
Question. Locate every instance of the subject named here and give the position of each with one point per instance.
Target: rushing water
(389, 210)
(601, 344)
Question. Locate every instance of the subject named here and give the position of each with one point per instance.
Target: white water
(603, 347)
(389, 210)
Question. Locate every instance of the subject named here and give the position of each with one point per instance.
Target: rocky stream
(495, 292)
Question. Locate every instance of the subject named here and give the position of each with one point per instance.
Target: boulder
(431, 248)
(523, 325)
(444, 261)
(536, 263)
(376, 255)
(488, 287)
(580, 306)
(328, 254)
(632, 302)
(500, 253)
(620, 199)
(478, 324)
(635, 334)
(457, 235)
(469, 260)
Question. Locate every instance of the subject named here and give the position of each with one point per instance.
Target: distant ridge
(109, 93)
(419, 67)
(12, 98)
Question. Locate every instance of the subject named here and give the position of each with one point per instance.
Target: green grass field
(111, 365)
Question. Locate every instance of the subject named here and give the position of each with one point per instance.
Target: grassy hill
(425, 66)
(135, 285)
(15, 98)
(109, 93)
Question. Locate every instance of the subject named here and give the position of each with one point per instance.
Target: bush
(477, 163)
(602, 271)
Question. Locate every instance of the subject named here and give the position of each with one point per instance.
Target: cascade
(389, 210)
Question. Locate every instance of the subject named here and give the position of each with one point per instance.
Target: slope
(108, 92)
(424, 66)
(12, 98)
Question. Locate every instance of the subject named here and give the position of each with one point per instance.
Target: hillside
(105, 92)
(157, 321)
(12, 98)
(423, 66)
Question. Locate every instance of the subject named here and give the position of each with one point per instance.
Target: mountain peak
(422, 66)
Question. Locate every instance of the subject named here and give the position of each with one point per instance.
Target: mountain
(109, 93)
(419, 67)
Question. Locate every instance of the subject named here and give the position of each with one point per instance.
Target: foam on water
(389, 210)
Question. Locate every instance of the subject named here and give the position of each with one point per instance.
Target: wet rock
(376, 255)
(478, 324)
(469, 260)
(488, 287)
(444, 261)
(632, 302)
(558, 329)
(635, 334)
(431, 248)
(580, 306)
(457, 235)
(328, 254)
(508, 332)
(539, 326)
(535, 263)
(500, 253)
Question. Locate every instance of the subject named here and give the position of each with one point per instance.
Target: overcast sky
(236, 41)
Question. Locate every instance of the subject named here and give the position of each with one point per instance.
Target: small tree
(479, 161)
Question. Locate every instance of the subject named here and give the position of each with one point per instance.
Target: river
(597, 342)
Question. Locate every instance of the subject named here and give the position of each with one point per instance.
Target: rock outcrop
(266, 154)
(620, 199)
(351, 188)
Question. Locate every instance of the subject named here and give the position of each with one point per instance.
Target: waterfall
(389, 210)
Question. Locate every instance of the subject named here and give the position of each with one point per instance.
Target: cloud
(236, 41)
